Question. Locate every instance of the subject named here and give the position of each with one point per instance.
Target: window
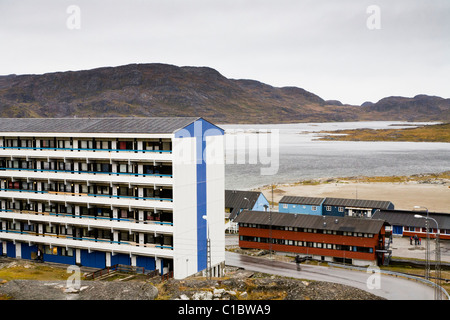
(52, 251)
(341, 209)
(123, 213)
(285, 205)
(67, 252)
(314, 208)
(84, 188)
(328, 208)
(123, 168)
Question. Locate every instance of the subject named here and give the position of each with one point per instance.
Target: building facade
(336, 239)
(146, 192)
(404, 223)
(301, 205)
(338, 207)
(236, 201)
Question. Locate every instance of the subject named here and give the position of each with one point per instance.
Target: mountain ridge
(156, 89)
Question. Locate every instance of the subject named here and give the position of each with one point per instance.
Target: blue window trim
(93, 172)
(80, 149)
(91, 217)
(91, 195)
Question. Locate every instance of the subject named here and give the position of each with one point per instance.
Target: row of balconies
(67, 241)
(57, 224)
(85, 155)
(88, 144)
(73, 189)
(87, 167)
(115, 236)
(102, 194)
(83, 211)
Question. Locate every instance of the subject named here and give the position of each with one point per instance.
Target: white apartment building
(145, 192)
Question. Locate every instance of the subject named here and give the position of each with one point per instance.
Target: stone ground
(237, 284)
(240, 285)
(88, 290)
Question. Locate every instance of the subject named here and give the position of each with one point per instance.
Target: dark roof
(342, 202)
(96, 125)
(302, 200)
(282, 219)
(406, 218)
(236, 200)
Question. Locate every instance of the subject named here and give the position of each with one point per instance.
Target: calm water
(301, 157)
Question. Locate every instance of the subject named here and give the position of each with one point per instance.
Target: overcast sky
(336, 49)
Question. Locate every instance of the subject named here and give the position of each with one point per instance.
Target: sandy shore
(404, 195)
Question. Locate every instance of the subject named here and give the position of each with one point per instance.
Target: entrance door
(397, 230)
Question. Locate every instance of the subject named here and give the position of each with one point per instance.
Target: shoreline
(430, 190)
(427, 133)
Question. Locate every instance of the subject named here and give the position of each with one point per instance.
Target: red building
(352, 240)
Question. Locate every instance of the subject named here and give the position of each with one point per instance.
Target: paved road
(391, 288)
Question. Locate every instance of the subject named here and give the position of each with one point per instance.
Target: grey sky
(323, 46)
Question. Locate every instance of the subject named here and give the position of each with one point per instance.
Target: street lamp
(248, 203)
(437, 267)
(208, 246)
(427, 242)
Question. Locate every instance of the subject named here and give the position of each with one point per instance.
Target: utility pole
(427, 243)
(437, 273)
(270, 228)
(209, 257)
(208, 246)
(427, 250)
(437, 266)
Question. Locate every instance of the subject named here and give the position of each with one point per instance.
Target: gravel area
(88, 290)
(237, 284)
(255, 286)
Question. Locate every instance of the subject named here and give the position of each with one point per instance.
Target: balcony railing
(89, 195)
(67, 215)
(93, 172)
(83, 149)
(59, 236)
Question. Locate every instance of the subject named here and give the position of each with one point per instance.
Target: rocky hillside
(418, 108)
(165, 90)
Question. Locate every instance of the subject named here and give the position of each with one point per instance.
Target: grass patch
(33, 272)
(428, 133)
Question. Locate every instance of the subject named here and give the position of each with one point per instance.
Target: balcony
(78, 153)
(108, 177)
(126, 247)
(132, 225)
(88, 198)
